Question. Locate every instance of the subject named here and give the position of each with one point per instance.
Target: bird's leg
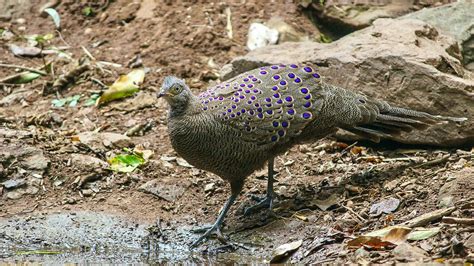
(216, 227)
(268, 200)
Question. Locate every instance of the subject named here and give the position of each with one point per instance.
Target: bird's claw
(267, 202)
(213, 230)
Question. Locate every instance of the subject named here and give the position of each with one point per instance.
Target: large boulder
(455, 19)
(405, 62)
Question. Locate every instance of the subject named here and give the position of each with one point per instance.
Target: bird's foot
(209, 231)
(266, 202)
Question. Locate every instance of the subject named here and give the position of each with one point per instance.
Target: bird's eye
(176, 90)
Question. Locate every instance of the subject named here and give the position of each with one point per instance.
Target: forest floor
(59, 203)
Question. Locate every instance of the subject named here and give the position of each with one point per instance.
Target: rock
(261, 36)
(140, 101)
(182, 162)
(87, 162)
(386, 206)
(457, 189)
(457, 20)
(346, 16)
(87, 192)
(33, 159)
(15, 97)
(99, 141)
(14, 195)
(286, 32)
(405, 62)
(209, 187)
(469, 243)
(146, 9)
(407, 252)
(168, 189)
(13, 183)
(26, 157)
(12, 133)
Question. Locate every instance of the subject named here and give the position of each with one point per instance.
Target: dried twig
(230, 32)
(355, 213)
(37, 71)
(426, 218)
(434, 162)
(455, 220)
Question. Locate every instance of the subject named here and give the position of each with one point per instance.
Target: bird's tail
(374, 119)
(392, 121)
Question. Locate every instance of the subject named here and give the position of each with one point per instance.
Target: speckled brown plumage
(233, 128)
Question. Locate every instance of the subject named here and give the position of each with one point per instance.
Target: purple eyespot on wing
(275, 124)
(307, 104)
(291, 75)
(291, 112)
(304, 90)
(274, 67)
(306, 115)
(276, 95)
(283, 82)
(297, 80)
(289, 99)
(263, 72)
(275, 88)
(276, 77)
(316, 75)
(274, 138)
(308, 69)
(281, 133)
(284, 124)
(293, 66)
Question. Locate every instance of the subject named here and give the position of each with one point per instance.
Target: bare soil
(190, 40)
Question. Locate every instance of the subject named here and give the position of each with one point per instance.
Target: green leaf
(54, 15)
(124, 86)
(125, 163)
(25, 77)
(92, 100)
(59, 102)
(74, 100)
(88, 11)
(422, 233)
(325, 39)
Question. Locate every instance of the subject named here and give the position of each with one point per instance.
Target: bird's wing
(267, 105)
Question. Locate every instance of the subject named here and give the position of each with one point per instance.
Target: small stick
(427, 218)
(434, 162)
(455, 220)
(230, 32)
(355, 213)
(37, 71)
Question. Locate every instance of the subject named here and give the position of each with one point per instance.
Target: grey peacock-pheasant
(233, 128)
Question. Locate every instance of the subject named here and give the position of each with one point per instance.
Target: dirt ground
(326, 190)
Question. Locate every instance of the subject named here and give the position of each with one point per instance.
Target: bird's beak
(161, 94)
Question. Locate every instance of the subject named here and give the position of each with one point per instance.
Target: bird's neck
(189, 107)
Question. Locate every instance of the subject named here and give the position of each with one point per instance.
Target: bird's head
(175, 91)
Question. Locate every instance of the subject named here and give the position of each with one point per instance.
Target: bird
(236, 127)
